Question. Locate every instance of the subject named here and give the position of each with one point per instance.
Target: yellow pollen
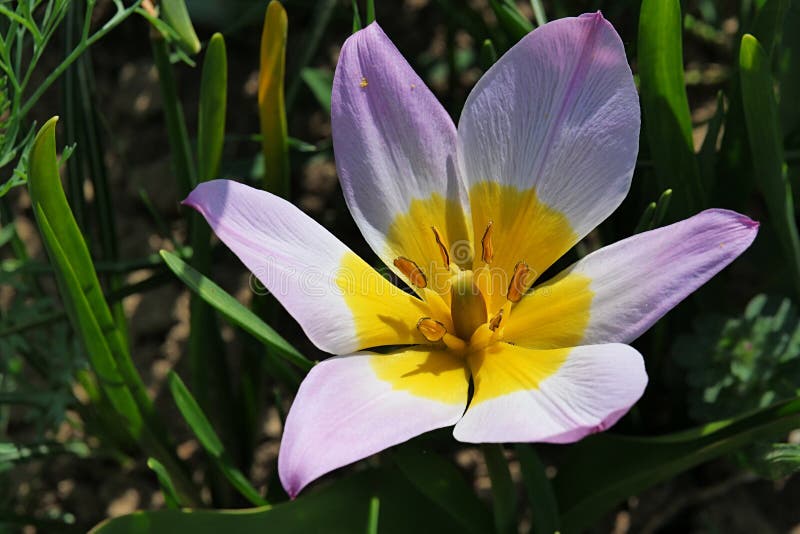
(442, 247)
(486, 244)
(363, 83)
(411, 271)
(431, 329)
(519, 282)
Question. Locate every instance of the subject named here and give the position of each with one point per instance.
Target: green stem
(75, 54)
(503, 493)
(178, 136)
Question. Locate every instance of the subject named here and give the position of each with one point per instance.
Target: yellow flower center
(474, 325)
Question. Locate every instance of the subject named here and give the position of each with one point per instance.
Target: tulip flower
(468, 218)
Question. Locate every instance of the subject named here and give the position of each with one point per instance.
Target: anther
(494, 324)
(411, 271)
(519, 282)
(431, 329)
(486, 244)
(442, 247)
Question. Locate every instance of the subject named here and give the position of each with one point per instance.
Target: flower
(469, 218)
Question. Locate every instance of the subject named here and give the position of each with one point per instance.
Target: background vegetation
(130, 381)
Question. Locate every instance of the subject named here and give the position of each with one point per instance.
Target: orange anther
(431, 329)
(519, 281)
(411, 271)
(442, 247)
(486, 244)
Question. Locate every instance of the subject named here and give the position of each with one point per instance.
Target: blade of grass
(504, 496)
(541, 498)
(511, 20)
(667, 121)
(234, 311)
(171, 498)
(766, 145)
(182, 160)
(271, 107)
(175, 14)
(323, 11)
(87, 308)
(374, 515)
(202, 428)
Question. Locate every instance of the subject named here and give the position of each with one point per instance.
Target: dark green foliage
(735, 364)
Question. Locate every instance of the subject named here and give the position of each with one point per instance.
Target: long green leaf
(88, 309)
(167, 488)
(339, 508)
(441, 482)
(667, 121)
(208, 365)
(541, 498)
(504, 495)
(211, 109)
(766, 146)
(234, 311)
(180, 148)
(320, 81)
(201, 426)
(605, 469)
(271, 105)
(174, 12)
(511, 20)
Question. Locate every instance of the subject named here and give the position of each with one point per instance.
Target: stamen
(442, 248)
(431, 329)
(411, 271)
(494, 324)
(486, 244)
(519, 282)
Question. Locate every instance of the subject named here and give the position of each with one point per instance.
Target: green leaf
(605, 469)
(504, 495)
(211, 110)
(201, 426)
(88, 309)
(488, 55)
(271, 105)
(320, 81)
(174, 12)
(12, 454)
(167, 488)
(356, 17)
(667, 121)
(511, 20)
(766, 145)
(707, 157)
(441, 482)
(234, 311)
(342, 507)
(370, 12)
(646, 220)
(541, 498)
(92, 336)
(374, 515)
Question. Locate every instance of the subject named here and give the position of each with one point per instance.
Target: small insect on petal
(519, 281)
(363, 83)
(431, 329)
(411, 271)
